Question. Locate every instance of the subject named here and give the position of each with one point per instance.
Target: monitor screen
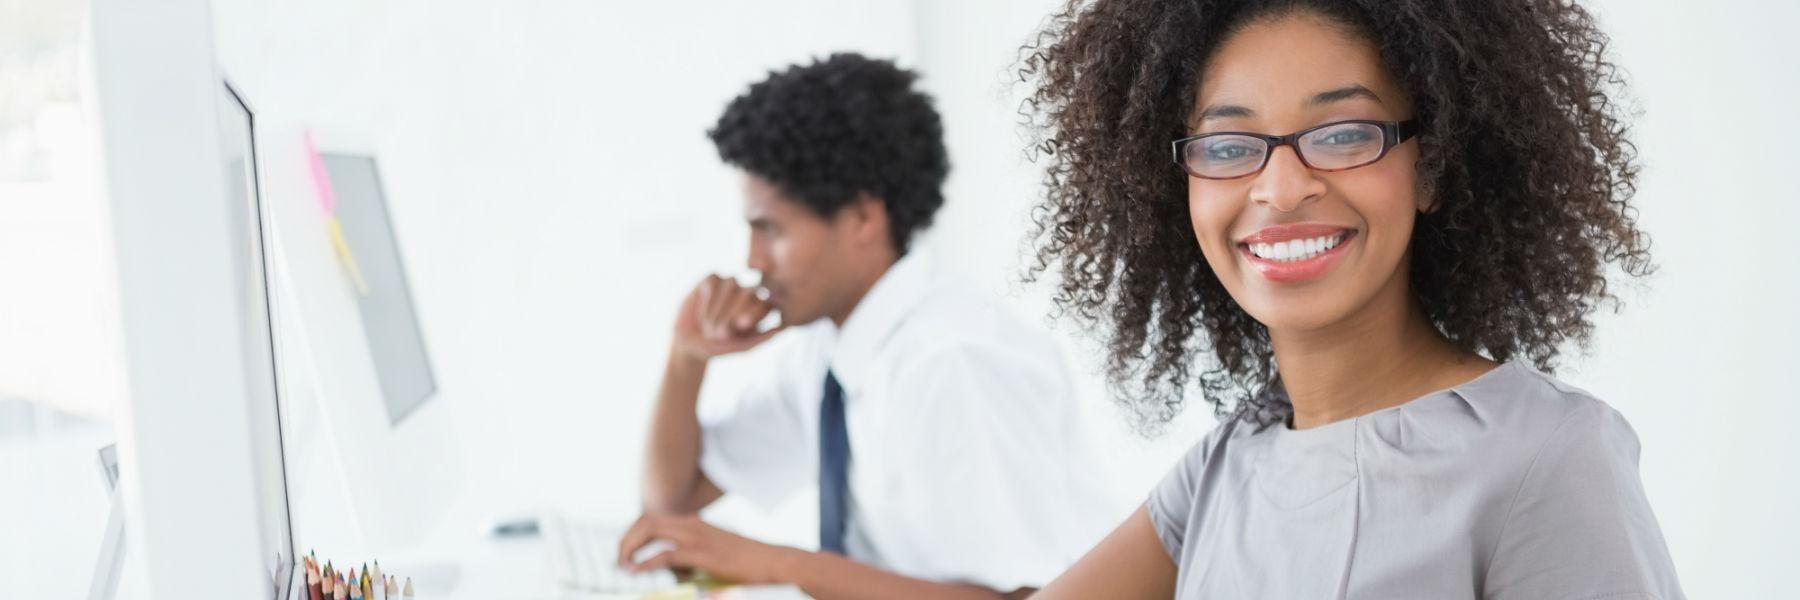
(390, 326)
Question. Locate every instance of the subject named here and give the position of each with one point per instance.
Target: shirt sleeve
(986, 487)
(757, 445)
(1172, 501)
(1581, 527)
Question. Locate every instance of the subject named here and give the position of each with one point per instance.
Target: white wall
(61, 353)
(1702, 359)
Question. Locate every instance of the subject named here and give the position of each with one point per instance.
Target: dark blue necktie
(834, 467)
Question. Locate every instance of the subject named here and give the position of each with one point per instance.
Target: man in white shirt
(942, 432)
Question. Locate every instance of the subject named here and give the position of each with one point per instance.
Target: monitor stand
(105, 584)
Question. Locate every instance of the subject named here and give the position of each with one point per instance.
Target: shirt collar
(880, 312)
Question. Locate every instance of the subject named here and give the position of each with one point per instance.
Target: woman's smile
(1296, 253)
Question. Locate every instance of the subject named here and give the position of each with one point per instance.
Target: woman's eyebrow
(1343, 93)
(1222, 111)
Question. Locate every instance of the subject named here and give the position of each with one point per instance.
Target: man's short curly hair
(827, 131)
(1522, 149)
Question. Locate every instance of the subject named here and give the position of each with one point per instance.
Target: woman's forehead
(1293, 64)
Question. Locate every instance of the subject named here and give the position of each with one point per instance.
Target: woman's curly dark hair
(826, 131)
(1522, 149)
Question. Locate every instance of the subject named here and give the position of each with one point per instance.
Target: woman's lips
(1299, 270)
(1302, 231)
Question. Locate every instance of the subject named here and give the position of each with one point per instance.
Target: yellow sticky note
(347, 259)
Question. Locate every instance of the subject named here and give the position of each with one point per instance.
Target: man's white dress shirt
(967, 461)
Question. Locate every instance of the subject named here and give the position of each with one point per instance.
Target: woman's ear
(1426, 198)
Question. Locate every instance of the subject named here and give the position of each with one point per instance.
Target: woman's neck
(1385, 357)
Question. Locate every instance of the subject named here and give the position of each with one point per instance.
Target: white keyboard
(584, 559)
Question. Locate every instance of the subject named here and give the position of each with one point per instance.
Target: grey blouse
(1512, 485)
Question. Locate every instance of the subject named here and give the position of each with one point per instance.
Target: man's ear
(869, 218)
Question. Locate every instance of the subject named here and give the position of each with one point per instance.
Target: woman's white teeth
(1296, 250)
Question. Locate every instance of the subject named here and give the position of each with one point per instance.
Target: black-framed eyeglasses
(1329, 147)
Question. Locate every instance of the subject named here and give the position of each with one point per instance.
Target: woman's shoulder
(1509, 415)
(1573, 423)
(1517, 400)
(1578, 501)
(1533, 434)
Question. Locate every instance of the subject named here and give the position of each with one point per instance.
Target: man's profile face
(801, 255)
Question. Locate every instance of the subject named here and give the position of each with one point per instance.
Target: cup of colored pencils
(323, 582)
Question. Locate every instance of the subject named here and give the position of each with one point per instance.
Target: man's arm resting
(673, 482)
(717, 317)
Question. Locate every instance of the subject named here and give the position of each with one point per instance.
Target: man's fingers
(764, 336)
(747, 339)
(725, 300)
(709, 290)
(667, 559)
(727, 315)
(756, 314)
(680, 532)
(704, 294)
(719, 298)
(640, 533)
(748, 311)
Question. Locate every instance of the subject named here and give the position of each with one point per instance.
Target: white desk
(479, 568)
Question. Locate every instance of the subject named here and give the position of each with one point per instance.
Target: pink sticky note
(321, 178)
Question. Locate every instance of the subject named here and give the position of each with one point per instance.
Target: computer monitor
(383, 297)
(237, 143)
(371, 459)
(199, 438)
(237, 129)
(252, 389)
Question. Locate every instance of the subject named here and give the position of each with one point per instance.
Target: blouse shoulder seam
(1512, 505)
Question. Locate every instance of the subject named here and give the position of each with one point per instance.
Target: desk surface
(515, 569)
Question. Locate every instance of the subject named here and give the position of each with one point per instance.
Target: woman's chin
(1295, 317)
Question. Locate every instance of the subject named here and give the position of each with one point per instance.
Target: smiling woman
(1518, 149)
(1396, 214)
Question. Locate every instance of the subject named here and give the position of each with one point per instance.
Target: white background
(554, 194)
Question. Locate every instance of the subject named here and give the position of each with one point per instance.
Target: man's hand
(697, 545)
(720, 317)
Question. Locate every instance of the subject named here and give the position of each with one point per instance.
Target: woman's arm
(1129, 563)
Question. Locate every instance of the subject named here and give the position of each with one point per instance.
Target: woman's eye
(1229, 152)
(1342, 138)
